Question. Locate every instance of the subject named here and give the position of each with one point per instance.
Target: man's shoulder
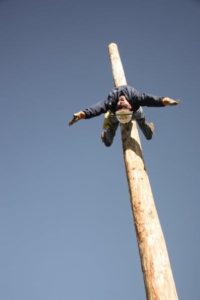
(128, 91)
(123, 88)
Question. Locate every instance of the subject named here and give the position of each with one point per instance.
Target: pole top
(112, 44)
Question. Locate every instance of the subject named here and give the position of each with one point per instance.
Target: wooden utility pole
(158, 278)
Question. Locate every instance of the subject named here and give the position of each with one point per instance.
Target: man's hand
(168, 101)
(76, 117)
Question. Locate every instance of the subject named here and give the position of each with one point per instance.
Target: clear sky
(66, 228)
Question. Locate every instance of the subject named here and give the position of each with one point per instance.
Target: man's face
(123, 103)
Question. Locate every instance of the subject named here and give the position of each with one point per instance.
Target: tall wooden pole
(158, 278)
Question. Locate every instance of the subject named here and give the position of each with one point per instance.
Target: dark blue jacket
(135, 98)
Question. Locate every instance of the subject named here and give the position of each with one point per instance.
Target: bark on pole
(158, 278)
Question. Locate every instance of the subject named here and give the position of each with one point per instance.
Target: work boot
(110, 125)
(107, 137)
(146, 128)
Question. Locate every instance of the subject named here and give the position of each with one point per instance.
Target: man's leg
(110, 125)
(146, 128)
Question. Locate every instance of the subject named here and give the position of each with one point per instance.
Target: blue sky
(65, 218)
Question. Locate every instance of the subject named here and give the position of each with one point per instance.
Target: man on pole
(121, 102)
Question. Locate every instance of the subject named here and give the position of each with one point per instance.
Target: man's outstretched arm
(92, 111)
(150, 100)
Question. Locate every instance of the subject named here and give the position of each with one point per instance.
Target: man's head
(123, 103)
(123, 111)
